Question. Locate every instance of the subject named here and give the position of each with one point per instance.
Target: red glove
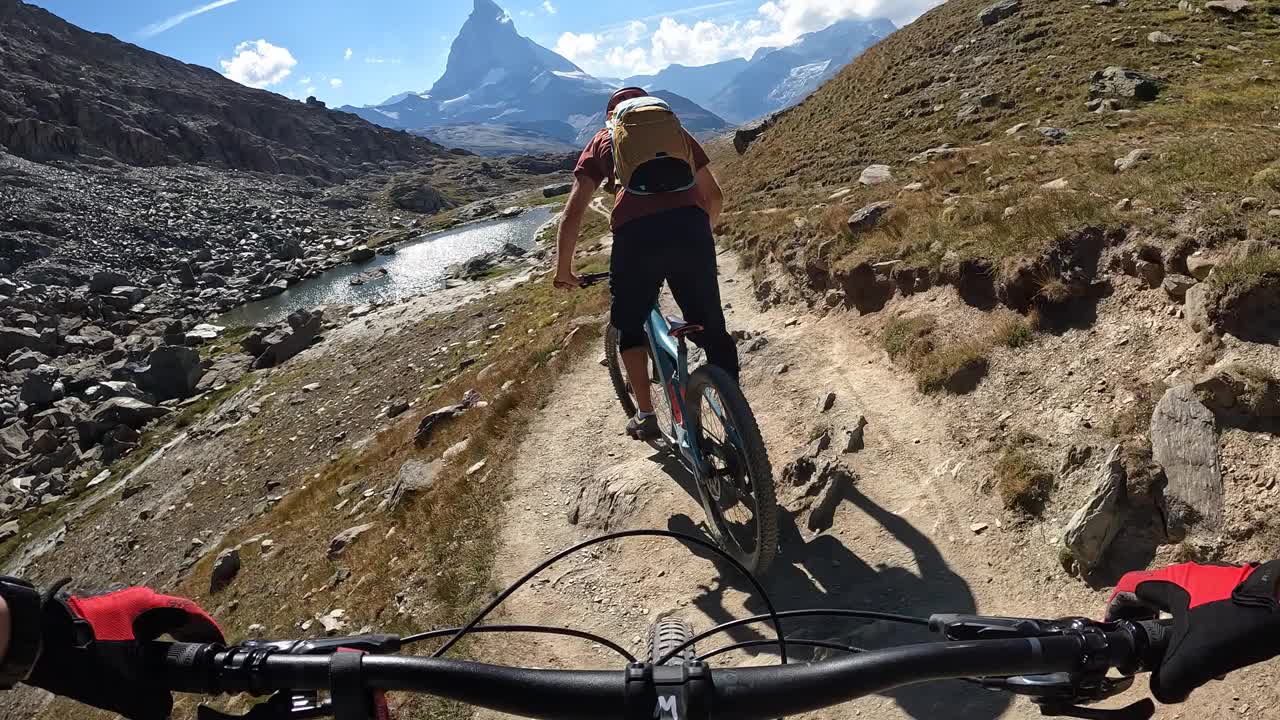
(1224, 619)
(92, 648)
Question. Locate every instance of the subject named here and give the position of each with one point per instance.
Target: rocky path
(913, 535)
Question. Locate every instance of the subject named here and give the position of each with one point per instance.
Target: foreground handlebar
(759, 693)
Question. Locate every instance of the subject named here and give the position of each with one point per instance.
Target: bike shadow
(821, 572)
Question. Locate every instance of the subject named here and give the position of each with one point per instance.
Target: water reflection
(418, 268)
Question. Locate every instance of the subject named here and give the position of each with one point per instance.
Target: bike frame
(671, 358)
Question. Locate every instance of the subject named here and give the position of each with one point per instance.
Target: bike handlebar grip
(184, 667)
(1159, 635)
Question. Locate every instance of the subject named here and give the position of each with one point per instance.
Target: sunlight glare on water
(417, 269)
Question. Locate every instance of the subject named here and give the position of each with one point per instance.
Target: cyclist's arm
(571, 223)
(712, 195)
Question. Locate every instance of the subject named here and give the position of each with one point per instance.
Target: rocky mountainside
(503, 93)
(1062, 221)
(69, 93)
(778, 79)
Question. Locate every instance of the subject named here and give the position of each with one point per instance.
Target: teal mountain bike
(708, 425)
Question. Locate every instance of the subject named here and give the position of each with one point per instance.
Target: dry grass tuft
(1024, 485)
(955, 368)
(1245, 274)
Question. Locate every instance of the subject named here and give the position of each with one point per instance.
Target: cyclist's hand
(568, 280)
(92, 648)
(1224, 619)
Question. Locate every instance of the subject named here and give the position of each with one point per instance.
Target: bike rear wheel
(743, 502)
(668, 634)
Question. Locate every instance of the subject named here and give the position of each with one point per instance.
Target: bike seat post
(682, 364)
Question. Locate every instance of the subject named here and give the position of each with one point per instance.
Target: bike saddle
(682, 329)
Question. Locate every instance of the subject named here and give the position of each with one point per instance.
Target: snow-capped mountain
(496, 77)
(776, 79)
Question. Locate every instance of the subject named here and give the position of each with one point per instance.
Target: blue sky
(361, 52)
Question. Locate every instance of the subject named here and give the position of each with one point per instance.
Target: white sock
(641, 415)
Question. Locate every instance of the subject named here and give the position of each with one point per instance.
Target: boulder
(26, 360)
(127, 411)
(171, 372)
(340, 543)
(13, 339)
(854, 436)
(42, 386)
(557, 190)
(868, 217)
(435, 420)
(415, 477)
(409, 192)
(837, 485)
(1176, 286)
(1229, 7)
(876, 175)
(1161, 38)
(104, 281)
(1184, 442)
(363, 253)
(1200, 265)
(1241, 396)
(1124, 86)
(1130, 161)
(993, 14)
(9, 530)
(274, 344)
(1095, 525)
(225, 569)
(14, 439)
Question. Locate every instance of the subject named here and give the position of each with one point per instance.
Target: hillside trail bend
(901, 541)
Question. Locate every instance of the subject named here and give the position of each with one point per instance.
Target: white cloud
(347, 55)
(375, 60)
(575, 46)
(548, 7)
(171, 22)
(305, 81)
(631, 48)
(311, 90)
(259, 64)
(335, 83)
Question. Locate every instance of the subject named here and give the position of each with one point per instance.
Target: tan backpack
(651, 153)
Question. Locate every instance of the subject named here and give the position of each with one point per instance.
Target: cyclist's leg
(635, 280)
(694, 282)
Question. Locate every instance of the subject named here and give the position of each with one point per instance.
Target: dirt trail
(904, 541)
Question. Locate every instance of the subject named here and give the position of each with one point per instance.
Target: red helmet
(626, 93)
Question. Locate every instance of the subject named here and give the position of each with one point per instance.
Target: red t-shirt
(596, 164)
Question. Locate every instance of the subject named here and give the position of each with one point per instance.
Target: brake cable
(773, 614)
(537, 629)
(792, 641)
(834, 612)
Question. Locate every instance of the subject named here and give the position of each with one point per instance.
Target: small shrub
(1222, 222)
(1055, 291)
(956, 368)
(1023, 483)
(909, 338)
(1247, 273)
(1013, 331)
(1268, 178)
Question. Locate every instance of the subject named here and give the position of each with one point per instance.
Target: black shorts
(678, 247)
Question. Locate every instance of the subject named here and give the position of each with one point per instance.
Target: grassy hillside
(1011, 100)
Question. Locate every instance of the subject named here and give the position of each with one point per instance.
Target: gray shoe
(646, 429)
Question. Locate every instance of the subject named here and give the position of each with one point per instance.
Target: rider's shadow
(823, 573)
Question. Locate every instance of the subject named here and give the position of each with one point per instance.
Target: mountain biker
(90, 649)
(662, 236)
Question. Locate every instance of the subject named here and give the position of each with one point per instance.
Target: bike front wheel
(741, 501)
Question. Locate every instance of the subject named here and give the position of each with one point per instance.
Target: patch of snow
(799, 83)
(493, 77)
(392, 115)
(460, 98)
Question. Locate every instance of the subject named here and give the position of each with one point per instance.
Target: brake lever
(281, 706)
(1141, 710)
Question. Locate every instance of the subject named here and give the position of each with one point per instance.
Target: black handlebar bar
(758, 693)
